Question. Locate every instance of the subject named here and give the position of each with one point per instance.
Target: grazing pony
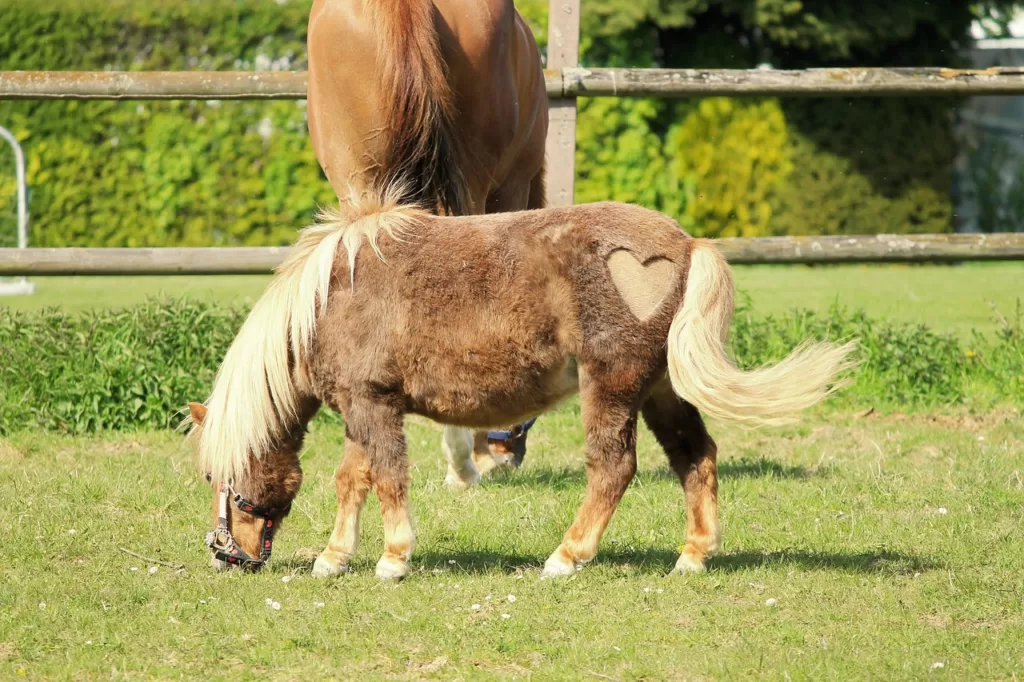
(479, 321)
(446, 98)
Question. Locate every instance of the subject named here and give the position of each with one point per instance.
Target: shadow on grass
(647, 561)
(566, 477)
(883, 561)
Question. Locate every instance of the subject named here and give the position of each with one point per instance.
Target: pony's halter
(223, 543)
(513, 433)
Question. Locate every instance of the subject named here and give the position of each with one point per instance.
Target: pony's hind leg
(352, 482)
(692, 454)
(610, 428)
(376, 424)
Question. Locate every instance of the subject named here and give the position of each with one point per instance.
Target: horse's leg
(692, 454)
(458, 449)
(377, 426)
(352, 482)
(609, 424)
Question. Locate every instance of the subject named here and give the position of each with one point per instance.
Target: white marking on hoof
(390, 568)
(557, 567)
(688, 564)
(324, 568)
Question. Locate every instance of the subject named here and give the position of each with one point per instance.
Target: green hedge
(194, 173)
(137, 368)
(159, 173)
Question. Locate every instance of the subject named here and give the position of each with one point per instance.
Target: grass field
(854, 548)
(953, 299)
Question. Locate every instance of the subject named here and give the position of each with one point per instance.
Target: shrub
(137, 368)
(234, 173)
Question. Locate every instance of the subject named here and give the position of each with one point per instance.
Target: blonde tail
(703, 374)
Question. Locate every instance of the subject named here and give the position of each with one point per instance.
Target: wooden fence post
(563, 52)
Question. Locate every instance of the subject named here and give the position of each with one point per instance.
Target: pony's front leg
(352, 482)
(376, 424)
(610, 429)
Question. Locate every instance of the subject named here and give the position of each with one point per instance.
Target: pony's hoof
(323, 568)
(454, 482)
(688, 564)
(557, 567)
(391, 568)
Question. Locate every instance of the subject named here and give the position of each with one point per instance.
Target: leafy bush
(109, 369)
(908, 366)
(234, 173)
(137, 368)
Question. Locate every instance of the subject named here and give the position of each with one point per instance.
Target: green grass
(953, 299)
(888, 544)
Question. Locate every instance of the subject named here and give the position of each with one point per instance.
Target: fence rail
(919, 248)
(562, 83)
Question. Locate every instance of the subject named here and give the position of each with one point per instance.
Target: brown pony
(446, 99)
(480, 321)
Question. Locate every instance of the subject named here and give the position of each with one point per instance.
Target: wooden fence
(565, 82)
(939, 248)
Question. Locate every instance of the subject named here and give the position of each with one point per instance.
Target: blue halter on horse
(514, 432)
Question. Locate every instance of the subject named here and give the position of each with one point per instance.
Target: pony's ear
(198, 411)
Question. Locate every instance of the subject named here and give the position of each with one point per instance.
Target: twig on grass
(179, 567)
(603, 677)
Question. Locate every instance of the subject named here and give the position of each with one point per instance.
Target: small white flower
(938, 664)
(72, 531)
(942, 511)
(770, 602)
(475, 607)
(647, 589)
(134, 568)
(487, 597)
(153, 569)
(286, 579)
(318, 604)
(511, 599)
(42, 606)
(451, 561)
(438, 571)
(88, 642)
(202, 601)
(505, 616)
(275, 605)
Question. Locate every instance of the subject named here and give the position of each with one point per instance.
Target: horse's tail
(421, 152)
(256, 398)
(703, 374)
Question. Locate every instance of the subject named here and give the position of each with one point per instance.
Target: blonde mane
(255, 398)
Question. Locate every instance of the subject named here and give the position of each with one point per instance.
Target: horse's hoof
(688, 564)
(557, 567)
(322, 568)
(391, 568)
(454, 482)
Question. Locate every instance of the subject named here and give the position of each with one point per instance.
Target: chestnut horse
(609, 300)
(445, 98)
